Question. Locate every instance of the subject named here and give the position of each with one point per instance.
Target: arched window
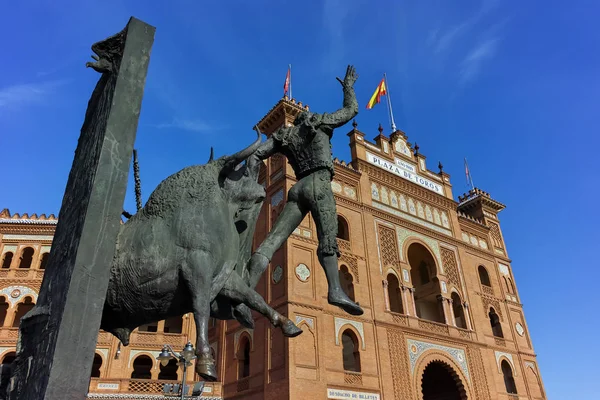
(26, 258)
(142, 367)
(350, 353)
(343, 231)
(244, 357)
(509, 285)
(7, 259)
(422, 275)
(394, 294)
(346, 281)
(9, 358)
(173, 325)
(484, 278)
(495, 323)
(3, 310)
(96, 366)
(6, 361)
(509, 381)
(44, 260)
(459, 312)
(22, 309)
(169, 371)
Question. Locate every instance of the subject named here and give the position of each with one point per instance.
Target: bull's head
(241, 182)
(109, 53)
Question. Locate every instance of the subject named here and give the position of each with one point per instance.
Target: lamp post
(184, 359)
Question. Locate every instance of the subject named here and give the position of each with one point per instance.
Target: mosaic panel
(509, 356)
(15, 293)
(416, 348)
(412, 219)
(340, 322)
(309, 321)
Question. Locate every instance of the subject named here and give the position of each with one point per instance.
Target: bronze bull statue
(183, 251)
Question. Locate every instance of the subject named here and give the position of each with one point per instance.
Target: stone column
(452, 316)
(467, 317)
(441, 299)
(414, 302)
(386, 294)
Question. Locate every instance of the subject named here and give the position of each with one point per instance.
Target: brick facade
(432, 274)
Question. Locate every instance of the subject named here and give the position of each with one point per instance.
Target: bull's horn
(212, 154)
(238, 157)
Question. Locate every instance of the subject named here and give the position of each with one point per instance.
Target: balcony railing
(344, 245)
(21, 273)
(9, 334)
(158, 338)
(399, 318)
(487, 290)
(141, 386)
(435, 327)
(353, 378)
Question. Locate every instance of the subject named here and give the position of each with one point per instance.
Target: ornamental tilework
(412, 219)
(15, 293)
(509, 356)
(374, 192)
(416, 348)
(336, 187)
(404, 234)
(340, 322)
(309, 321)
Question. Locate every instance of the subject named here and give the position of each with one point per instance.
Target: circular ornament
(460, 357)
(413, 349)
(15, 293)
(302, 272)
(520, 329)
(277, 274)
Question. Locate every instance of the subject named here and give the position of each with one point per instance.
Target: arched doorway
(440, 382)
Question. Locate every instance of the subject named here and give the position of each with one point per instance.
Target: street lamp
(184, 359)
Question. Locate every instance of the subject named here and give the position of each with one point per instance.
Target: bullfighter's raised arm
(350, 108)
(264, 151)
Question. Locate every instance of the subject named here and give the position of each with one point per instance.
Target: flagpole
(389, 101)
(470, 175)
(290, 67)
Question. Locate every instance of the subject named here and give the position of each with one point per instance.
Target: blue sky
(513, 86)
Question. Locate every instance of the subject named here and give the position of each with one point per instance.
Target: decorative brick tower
(442, 315)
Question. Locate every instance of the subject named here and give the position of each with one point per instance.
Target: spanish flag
(376, 98)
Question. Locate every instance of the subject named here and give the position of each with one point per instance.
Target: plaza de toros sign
(406, 171)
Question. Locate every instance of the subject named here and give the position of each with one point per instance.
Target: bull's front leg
(239, 291)
(198, 277)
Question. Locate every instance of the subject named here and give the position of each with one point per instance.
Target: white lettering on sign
(410, 176)
(111, 386)
(407, 166)
(347, 394)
